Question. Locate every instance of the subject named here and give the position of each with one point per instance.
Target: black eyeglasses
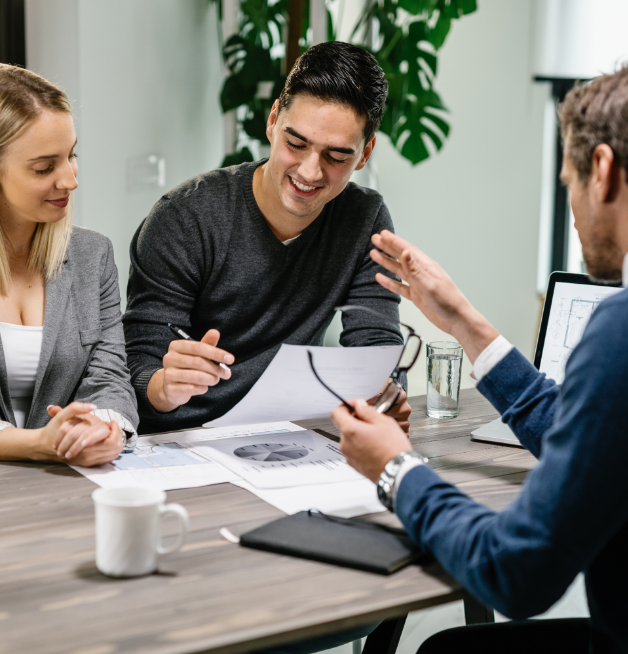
(407, 358)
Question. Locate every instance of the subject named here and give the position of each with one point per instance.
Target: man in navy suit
(572, 514)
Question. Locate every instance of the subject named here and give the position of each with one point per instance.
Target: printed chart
(281, 460)
(168, 461)
(271, 452)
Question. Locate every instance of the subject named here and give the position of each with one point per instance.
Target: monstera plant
(404, 36)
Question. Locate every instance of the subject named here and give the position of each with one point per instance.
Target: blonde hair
(23, 96)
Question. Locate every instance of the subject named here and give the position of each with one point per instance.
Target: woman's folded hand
(76, 436)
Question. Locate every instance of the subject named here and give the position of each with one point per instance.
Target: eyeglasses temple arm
(346, 404)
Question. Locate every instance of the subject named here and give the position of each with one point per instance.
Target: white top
(22, 348)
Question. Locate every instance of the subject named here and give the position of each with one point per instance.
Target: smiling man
(259, 254)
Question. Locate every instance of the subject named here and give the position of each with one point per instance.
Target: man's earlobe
(603, 173)
(272, 120)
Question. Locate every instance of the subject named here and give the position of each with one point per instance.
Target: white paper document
(345, 499)
(168, 461)
(281, 460)
(288, 389)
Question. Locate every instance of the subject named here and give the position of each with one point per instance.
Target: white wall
(474, 207)
(581, 38)
(144, 76)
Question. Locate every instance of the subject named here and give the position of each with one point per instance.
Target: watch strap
(388, 480)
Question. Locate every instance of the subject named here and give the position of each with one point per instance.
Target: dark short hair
(341, 73)
(596, 113)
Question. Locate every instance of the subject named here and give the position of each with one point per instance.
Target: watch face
(391, 468)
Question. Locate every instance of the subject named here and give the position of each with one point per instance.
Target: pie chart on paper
(271, 452)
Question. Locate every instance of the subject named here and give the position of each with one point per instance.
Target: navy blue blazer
(572, 513)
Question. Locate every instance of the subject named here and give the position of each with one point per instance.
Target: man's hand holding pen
(190, 368)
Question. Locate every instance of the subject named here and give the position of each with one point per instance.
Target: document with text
(288, 389)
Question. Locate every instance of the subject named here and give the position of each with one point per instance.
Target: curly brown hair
(595, 113)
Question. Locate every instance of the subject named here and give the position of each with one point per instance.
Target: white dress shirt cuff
(490, 356)
(107, 415)
(4, 424)
(406, 466)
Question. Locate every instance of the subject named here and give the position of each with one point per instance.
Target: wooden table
(213, 596)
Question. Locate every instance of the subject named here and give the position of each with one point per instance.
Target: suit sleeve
(526, 398)
(106, 381)
(521, 560)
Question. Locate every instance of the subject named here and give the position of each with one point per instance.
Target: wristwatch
(386, 482)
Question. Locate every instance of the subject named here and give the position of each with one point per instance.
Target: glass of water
(444, 363)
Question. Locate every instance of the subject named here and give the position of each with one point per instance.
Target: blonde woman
(65, 393)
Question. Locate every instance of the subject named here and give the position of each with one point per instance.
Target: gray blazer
(82, 353)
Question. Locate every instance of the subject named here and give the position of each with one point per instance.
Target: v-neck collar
(248, 170)
(56, 301)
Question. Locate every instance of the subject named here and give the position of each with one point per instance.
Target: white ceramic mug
(128, 538)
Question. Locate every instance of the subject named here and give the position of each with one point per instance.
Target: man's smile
(303, 190)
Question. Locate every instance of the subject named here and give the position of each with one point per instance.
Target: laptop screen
(570, 301)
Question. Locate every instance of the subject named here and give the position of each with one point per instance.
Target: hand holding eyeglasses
(369, 439)
(393, 399)
(399, 411)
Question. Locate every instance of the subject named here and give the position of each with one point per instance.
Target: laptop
(571, 299)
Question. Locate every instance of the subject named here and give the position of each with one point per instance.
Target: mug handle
(184, 522)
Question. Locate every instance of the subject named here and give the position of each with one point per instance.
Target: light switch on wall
(146, 173)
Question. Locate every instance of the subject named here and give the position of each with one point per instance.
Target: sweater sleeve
(521, 560)
(359, 327)
(165, 279)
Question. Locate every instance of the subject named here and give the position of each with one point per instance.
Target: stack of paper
(256, 447)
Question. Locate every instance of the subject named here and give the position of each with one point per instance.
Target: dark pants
(569, 635)
(321, 643)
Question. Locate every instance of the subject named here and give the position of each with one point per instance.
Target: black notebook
(341, 541)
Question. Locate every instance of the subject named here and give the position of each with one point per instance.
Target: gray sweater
(206, 258)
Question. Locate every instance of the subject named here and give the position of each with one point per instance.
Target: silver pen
(177, 331)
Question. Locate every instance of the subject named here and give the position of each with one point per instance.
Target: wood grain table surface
(213, 596)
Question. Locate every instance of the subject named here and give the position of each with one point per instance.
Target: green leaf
(237, 158)
(255, 126)
(439, 32)
(416, 7)
(417, 123)
(414, 149)
(234, 93)
(464, 7)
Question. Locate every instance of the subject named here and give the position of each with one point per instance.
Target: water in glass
(444, 363)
